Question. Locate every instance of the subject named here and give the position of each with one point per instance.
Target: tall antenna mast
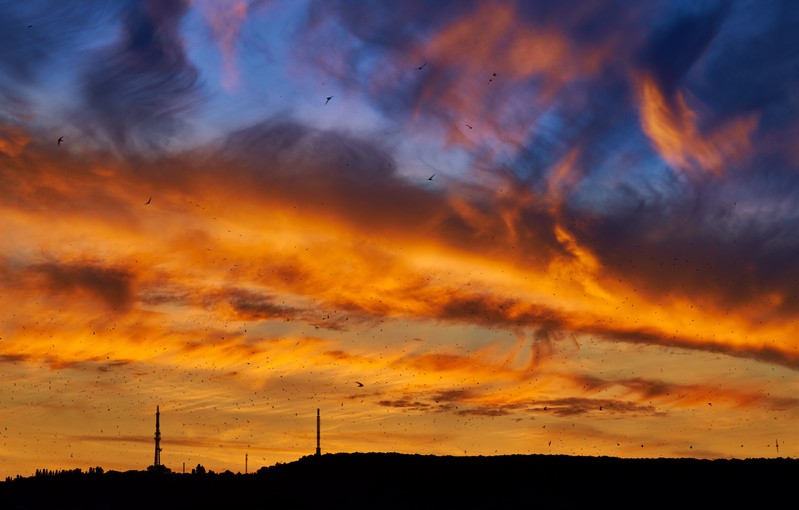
(157, 460)
(318, 449)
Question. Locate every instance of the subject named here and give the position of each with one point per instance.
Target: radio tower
(318, 449)
(157, 460)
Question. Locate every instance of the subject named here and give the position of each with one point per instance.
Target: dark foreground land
(388, 480)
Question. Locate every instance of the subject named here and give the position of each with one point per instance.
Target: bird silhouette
(328, 99)
(148, 200)
(359, 383)
(421, 66)
(60, 139)
(431, 177)
(468, 126)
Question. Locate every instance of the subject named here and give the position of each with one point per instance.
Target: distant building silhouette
(318, 449)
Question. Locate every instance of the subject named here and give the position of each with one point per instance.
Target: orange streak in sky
(674, 129)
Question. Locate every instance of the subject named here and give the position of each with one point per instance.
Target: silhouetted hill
(389, 480)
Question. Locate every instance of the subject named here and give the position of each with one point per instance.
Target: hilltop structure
(157, 460)
(157, 466)
(318, 449)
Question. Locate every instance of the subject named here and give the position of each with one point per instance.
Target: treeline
(68, 472)
(92, 471)
(388, 480)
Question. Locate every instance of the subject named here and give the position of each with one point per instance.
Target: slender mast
(318, 449)
(157, 460)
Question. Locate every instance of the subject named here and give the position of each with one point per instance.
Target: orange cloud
(303, 244)
(674, 130)
(485, 63)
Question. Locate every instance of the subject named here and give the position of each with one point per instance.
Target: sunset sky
(534, 227)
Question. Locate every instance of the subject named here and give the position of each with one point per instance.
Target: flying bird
(60, 139)
(148, 200)
(431, 177)
(421, 66)
(359, 383)
(468, 126)
(328, 99)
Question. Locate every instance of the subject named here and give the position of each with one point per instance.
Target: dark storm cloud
(329, 172)
(112, 286)
(702, 243)
(137, 89)
(355, 179)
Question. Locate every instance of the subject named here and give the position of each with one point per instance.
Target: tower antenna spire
(157, 459)
(318, 449)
